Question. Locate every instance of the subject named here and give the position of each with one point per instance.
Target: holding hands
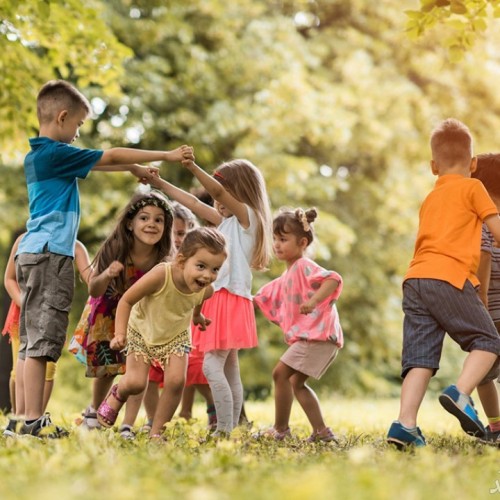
(144, 174)
(181, 153)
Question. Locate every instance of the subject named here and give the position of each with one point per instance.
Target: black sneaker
(491, 437)
(43, 428)
(12, 428)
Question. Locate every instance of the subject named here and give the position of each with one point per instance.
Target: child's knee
(279, 374)
(176, 384)
(492, 374)
(135, 387)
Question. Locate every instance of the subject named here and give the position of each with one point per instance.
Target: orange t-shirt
(449, 236)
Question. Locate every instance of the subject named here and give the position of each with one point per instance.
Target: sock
(494, 424)
(29, 422)
(412, 430)
(211, 409)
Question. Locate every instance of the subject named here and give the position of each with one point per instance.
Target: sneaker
(272, 433)
(13, 426)
(126, 432)
(43, 428)
(490, 437)
(325, 436)
(401, 436)
(461, 406)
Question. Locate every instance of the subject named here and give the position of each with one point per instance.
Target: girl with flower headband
(141, 239)
(241, 213)
(302, 303)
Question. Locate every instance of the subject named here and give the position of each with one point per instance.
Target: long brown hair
(120, 242)
(244, 181)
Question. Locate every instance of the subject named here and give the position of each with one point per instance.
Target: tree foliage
(462, 21)
(45, 39)
(330, 100)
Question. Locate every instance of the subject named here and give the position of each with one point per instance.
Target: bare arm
(198, 318)
(493, 224)
(82, 261)
(10, 280)
(326, 288)
(218, 193)
(483, 275)
(124, 156)
(98, 283)
(144, 174)
(200, 209)
(150, 283)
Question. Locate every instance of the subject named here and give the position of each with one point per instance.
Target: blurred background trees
(329, 98)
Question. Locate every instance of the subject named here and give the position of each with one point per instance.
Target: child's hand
(156, 182)
(118, 342)
(201, 321)
(307, 307)
(114, 269)
(181, 153)
(144, 174)
(188, 163)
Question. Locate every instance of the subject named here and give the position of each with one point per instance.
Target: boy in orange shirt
(439, 288)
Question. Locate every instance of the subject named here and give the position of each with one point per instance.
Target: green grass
(91, 465)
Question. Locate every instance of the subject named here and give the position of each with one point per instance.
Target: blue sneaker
(461, 406)
(401, 436)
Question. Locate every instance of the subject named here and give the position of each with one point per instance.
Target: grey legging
(222, 370)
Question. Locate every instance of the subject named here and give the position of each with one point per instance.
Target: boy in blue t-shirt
(44, 260)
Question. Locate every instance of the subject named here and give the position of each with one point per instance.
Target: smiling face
(199, 270)
(148, 225)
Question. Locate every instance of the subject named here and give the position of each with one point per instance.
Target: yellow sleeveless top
(162, 316)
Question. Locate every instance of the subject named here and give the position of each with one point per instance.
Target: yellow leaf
(458, 7)
(456, 53)
(480, 24)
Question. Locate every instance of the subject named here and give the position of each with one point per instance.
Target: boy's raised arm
(125, 156)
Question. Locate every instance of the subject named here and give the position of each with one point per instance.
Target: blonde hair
(243, 180)
(451, 143)
(57, 95)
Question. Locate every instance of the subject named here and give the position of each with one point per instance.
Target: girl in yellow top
(153, 323)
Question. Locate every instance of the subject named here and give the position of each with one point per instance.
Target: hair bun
(306, 218)
(311, 214)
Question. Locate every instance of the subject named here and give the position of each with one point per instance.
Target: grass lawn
(90, 465)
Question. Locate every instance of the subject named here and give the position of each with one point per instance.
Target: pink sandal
(106, 415)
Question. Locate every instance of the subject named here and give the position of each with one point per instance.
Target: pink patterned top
(280, 301)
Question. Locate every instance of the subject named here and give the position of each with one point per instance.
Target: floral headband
(151, 200)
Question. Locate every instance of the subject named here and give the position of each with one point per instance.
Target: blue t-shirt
(52, 170)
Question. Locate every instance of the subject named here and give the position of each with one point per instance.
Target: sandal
(106, 415)
(273, 433)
